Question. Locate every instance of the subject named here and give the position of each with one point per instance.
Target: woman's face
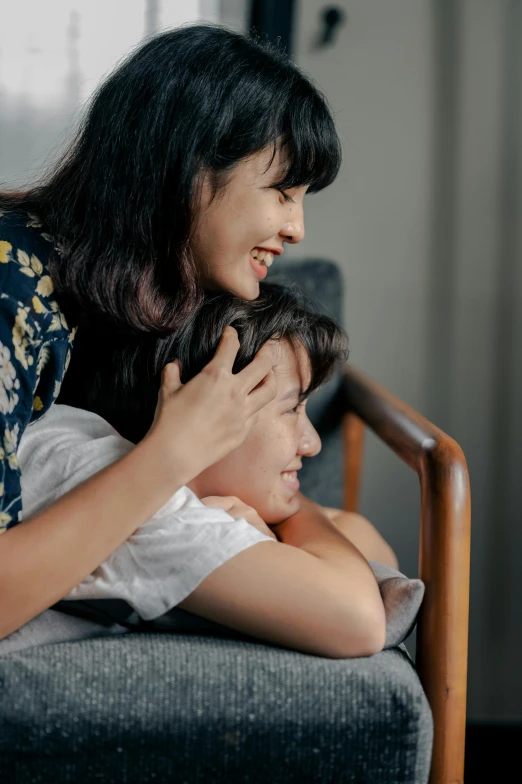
(249, 215)
(262, 472)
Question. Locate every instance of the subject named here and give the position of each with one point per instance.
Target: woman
(315, 592)
(189, 172)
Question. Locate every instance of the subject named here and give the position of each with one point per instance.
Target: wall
(424, 222)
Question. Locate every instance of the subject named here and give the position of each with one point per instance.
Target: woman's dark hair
(120, 202)
(118, 375)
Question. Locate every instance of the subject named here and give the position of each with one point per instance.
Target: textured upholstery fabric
(158, 708)
(182, 708)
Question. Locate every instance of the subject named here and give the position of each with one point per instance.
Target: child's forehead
(291, 365)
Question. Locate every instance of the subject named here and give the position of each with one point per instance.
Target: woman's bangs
(311, 145)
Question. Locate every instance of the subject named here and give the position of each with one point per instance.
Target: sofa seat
(189, 708)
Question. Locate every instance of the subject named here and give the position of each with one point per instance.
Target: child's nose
(310, 442)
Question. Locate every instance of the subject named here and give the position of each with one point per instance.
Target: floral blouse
(35, 345)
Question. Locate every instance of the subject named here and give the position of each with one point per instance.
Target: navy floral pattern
(35, 345)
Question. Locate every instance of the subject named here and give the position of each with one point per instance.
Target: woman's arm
(44, 557)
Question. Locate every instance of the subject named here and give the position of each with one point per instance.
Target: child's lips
(290, 480)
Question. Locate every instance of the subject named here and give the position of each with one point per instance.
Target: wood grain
(353, 440)
(444, 553)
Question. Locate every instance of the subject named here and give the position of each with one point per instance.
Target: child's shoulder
(71, 434)
(77, 423)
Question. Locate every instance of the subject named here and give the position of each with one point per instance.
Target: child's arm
(363, 535)
(312, 530)
(358, 530)
(316, 593)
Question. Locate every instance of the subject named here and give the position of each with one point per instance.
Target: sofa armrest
(444, 552)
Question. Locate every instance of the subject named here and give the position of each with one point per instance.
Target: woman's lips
(260, 269)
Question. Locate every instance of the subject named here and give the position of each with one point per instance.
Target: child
(205, 550)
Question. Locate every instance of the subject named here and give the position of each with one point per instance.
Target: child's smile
(263, 471)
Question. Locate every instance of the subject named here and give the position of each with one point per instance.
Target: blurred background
(423, 219)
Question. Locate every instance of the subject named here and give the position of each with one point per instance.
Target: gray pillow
(402, 597)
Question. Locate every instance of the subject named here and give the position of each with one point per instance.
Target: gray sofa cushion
(402, 597)
(157, 708)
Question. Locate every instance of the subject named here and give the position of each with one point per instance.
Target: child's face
(262, 471)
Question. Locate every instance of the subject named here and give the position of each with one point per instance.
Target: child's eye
(285, 196)
(295, 409)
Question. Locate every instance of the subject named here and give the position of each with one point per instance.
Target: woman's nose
(293, 231)
(310, 442)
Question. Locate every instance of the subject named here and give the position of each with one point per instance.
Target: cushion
(402, 597)
(161, 708)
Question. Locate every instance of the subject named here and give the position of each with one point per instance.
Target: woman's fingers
(227, 349)
(257, 379)
(214, 410)
(170, 377)
(256, 371)
(263, 393)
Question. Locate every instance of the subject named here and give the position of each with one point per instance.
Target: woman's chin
(248, 291)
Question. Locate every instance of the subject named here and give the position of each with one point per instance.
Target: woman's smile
(259, 267)
(242, 229)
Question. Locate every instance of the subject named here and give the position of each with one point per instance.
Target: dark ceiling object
(273, 19)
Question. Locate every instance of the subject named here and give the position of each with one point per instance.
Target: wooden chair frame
(444, 551)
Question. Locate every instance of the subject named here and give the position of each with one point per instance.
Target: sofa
(203, 704)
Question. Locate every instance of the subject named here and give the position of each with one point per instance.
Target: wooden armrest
(444, 557)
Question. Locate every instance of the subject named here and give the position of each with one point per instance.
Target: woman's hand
(198, 423)
(236, 508)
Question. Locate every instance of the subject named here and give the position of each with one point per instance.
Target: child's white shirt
(168, 556)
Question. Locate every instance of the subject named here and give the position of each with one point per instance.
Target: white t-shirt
(168, 556)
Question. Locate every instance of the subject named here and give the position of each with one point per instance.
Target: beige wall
(424, 222)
